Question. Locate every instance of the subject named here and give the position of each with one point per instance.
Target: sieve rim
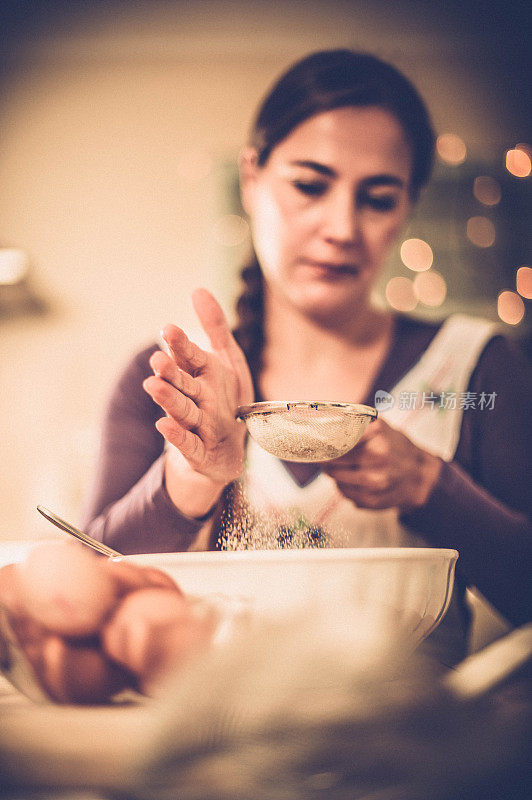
(280, 406)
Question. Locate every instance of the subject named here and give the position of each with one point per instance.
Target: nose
(341, 219)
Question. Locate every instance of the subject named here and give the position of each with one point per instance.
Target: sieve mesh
(306, 431)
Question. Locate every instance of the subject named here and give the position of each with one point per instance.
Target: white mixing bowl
(408, 588)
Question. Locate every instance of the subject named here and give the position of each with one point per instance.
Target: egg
(154, 630)
(66, 588)
(75, 671)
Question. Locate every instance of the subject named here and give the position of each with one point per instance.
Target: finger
(186, 353)
(129, 577)
(363, 497)
(378, 446)
(189, 444)
(374, 480)
(165, 367)
(213, 320)
(371, 452)
(215, 325)
(376, 427)
(353, 460)
(174, 402)
(358, 462)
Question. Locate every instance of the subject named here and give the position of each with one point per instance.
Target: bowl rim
(307, 554)
(277, 406)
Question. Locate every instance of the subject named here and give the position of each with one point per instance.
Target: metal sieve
(305, 430)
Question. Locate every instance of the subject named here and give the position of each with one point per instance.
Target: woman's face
(327, 206)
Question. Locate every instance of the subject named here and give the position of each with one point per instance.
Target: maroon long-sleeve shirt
(480, 505)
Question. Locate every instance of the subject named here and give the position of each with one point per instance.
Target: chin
(325, 306)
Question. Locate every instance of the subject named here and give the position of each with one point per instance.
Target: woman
(339, 152)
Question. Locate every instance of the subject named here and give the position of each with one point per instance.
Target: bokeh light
(400, 294)
(451, 148)
(13, 265)
(481, 231)
(230, 230)
(487, 190)
(518, 162)
(510, 308)
(430, 288)
(523, 282)
(416, 255)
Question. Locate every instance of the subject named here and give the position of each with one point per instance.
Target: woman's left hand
(385, 470)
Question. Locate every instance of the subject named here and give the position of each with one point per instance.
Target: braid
(249, 330)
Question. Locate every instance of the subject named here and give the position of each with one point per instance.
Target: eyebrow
(374, 180)
(316, 166)
(385, 180)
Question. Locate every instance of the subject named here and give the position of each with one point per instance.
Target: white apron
(427, 405)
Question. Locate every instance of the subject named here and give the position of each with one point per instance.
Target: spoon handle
(83, 537)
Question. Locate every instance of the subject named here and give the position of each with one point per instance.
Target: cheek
(276, 228)
(266, 227)
(384, 234)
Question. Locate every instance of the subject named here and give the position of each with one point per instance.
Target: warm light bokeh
(451, 148)
(510, 308)
(487, 190)
(430, 288)
(416, 254)
(523, 282)
(518, 162)
(400, 294)
(481, 231)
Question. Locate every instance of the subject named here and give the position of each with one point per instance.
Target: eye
(310, 188)
(381, 202)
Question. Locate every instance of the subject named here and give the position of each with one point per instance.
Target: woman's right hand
(200, 392)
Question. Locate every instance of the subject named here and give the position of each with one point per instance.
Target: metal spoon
(83, 537)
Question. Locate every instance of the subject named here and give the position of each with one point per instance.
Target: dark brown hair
(338, 78)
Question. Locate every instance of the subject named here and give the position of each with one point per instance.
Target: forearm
(145, 519)
(494, 541)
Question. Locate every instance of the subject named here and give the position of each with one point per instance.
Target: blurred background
(120, 127)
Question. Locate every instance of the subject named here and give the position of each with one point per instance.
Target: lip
(333, 267)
